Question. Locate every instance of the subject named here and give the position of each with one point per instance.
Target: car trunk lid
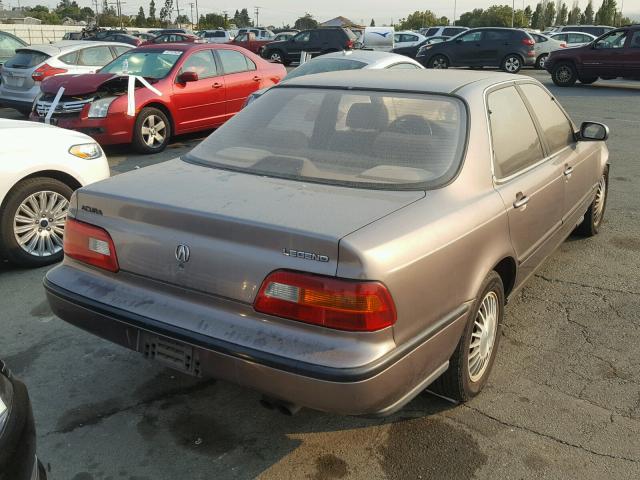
(237, 228)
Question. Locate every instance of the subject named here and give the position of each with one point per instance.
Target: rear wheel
(564, 75)
(32, 222)
(439, 62)
(541, 60)
(471, 363)
(587, 80)
(511, 63)
(152, 131)
(590, 226)
(276, 56)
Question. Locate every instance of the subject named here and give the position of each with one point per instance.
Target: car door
(531, 185)
(93, 58)
(631, 58)
(199, 104)
(495, 44)
(241, 78)
(465, 49)
(297, 44)
(605, 57)
(580, 170)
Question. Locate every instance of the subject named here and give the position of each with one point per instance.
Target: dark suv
(507, 48)
(316, 42)
(614, 54)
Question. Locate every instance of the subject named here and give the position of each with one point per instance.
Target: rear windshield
(26, 59)
(379, 140)
(322, 65)
(152, 64)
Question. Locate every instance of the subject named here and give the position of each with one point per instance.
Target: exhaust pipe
(286, 408)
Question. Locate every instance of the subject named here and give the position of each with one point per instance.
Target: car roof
(433, 81)
(64, 46)
(367, 56)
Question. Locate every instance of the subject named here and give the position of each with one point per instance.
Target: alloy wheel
(154, 131)
(564, 74)
(38, 225)
(483, 336)
(542, 61)
(439, 62)
(276, 57)
(512, 64)
(599, 202)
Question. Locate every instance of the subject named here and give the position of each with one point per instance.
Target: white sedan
(41, 167)
(407, 39)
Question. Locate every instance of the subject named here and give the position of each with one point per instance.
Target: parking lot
(563, 400)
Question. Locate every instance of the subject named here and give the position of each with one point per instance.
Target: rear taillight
(350, 44)
(563, 45)
(90, 244)
(327, 301)
(528, 41)
(46, 70)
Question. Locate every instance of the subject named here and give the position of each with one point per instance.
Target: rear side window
(217, 34)
(234, 62)
(433, 31)
(635, 40)
(9, 43)
(512, 153)
(120, 50)
(95, 56)
(378, 140)
(70, 58)
(26, 59)
(557, 129)
(450, 32)
(497, 35)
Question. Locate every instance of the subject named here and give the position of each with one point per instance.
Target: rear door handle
(216, 85)
(521, 201)
(568, 171)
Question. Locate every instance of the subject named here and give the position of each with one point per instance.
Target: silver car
(573, 39)
(544, 46)
(347, 60)
(345, 242)
(22, 74)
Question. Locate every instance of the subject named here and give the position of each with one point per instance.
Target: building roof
(339, 22)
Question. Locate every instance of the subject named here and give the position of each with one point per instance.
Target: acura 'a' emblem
(183, 252)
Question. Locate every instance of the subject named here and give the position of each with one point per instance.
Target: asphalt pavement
(563, 400)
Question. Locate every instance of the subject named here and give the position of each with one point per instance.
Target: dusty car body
(359, 244)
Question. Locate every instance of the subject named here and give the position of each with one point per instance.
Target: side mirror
(186, 77)
(593, 131)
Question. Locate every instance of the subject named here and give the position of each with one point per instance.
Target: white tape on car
(131, 96)
(54, 104)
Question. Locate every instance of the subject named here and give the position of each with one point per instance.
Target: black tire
(276, 56)
(512, 63)
(24, 112)
(9, 246)
(587, 80)
(456, 382)
(439, 62)
(540, 61)
(147, 116)
(564, 75)
(594, 216)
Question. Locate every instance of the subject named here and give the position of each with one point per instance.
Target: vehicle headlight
(35, 102)
(6, 399)
(100, 107)
(86, 151)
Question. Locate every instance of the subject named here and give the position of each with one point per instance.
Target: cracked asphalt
(563, 400)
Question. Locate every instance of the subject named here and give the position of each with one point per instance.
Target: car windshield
(154, 64)
(26, 59)
(378, 140)
(322, 65)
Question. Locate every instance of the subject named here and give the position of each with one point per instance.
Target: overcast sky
(279, 12)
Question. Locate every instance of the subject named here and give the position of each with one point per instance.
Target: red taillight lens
(528, 41)
(350, 44)
(563, 45)
(46, 70)
(327, 301)
(90, 244)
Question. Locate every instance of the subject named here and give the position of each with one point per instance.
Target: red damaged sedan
(193, 87)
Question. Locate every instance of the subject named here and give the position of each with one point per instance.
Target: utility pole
(118, 4)
(197, 16)
(513, 12)
(455, 8)
(178, 11)
(257, 12)
(95, 2)
(191, 5)
(226, 18)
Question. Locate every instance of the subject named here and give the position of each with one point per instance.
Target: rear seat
(364, 121)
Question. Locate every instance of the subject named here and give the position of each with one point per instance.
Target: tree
(588, 14)
(212, 20)
(417, 20)
(574, 14)
(42, 13)
(563, 12)
(470, 19)
(183, 19)
(528, 13)
(306, 22)
(242, 19)
(165, 12)
(537, 19)
(549, 14)
(373, 23)
(151, 21)
(140, 20)
(607, 13)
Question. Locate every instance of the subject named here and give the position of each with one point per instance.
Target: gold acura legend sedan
(343, 242)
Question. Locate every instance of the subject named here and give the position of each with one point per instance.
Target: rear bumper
(22, 106)
(379, 388)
